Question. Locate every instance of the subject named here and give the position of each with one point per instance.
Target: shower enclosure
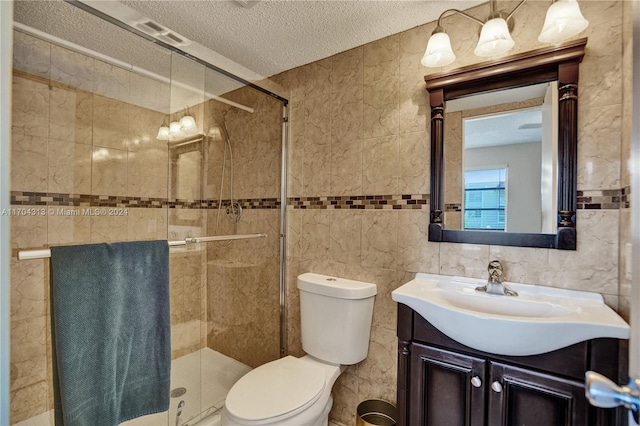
(92, 162)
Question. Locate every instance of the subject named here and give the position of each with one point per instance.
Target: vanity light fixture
(563, 21)
(163, 131)
(175, 128)
(179, 128)
(187, 122)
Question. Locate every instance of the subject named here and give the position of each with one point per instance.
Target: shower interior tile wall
(81, 126)
(360, 126)
(243, 314)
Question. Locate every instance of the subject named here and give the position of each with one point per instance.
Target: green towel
(111, 332)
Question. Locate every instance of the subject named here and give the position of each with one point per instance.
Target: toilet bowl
(335, 326)
(289, 391)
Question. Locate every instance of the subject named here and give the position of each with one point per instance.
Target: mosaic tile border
(362, 202)
(25, 198)
(625, 198)
(605, 199)
(608, 199)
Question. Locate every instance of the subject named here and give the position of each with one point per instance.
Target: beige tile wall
(243, 276)
(625, 163)
(360, 125)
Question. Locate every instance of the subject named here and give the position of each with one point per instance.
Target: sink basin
(540, 319)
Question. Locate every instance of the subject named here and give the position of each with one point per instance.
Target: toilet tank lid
(341, 288)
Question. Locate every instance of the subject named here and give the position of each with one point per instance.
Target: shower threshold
(206, 375)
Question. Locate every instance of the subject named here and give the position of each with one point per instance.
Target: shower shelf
(46, 253)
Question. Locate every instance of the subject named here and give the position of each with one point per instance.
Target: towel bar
(46, 253)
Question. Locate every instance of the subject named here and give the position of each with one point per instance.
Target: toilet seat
(278, 389)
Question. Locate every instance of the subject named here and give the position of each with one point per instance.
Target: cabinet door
(447, 389)
(526, 398)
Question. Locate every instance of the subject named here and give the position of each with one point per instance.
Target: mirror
(500, 151)
(186, 168)
(482, 190)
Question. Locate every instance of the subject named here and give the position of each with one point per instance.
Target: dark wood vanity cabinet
(444, 383)
(526, 397)
(441, 387)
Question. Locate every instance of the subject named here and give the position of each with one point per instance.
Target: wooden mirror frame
(558, 63)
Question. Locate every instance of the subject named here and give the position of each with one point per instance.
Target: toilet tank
(335, 315)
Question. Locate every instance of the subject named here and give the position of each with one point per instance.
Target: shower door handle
(602, 392)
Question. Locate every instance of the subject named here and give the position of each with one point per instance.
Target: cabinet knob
(476, 382)
(496, 386)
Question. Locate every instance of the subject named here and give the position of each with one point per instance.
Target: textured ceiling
(274, 36)
(268, 38)
(69, 23)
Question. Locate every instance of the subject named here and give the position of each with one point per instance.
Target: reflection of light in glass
(104, 154)
(163, 133)
(174, 127)
(215, 133)
(179, 128)
(100, 154)
(188, 123)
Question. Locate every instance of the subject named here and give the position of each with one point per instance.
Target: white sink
(540, 319)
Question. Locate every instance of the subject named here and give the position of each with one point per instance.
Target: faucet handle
(495, 271)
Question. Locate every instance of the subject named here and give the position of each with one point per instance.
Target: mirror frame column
(437, 162)
(568, 75)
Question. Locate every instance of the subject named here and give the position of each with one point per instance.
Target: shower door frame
(6, 64)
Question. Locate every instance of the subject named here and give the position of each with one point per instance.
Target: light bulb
(495, 38)
(439, 52)
(563, 21)
(174, 127)
(188, 123)
(163, 133)
(215, 133)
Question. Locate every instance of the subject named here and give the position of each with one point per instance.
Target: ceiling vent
(152, 26)
(172, 39)
(161, 33)
(247, 3)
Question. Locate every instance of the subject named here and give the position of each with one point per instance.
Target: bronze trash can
(376, 412)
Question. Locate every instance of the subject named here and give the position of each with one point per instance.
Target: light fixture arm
(466, 15)
(493, 12)
(514, 10)
(563, 20)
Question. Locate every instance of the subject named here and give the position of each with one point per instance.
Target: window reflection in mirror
(514, 131)
(485, 191)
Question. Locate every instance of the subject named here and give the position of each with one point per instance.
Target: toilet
(335, 316)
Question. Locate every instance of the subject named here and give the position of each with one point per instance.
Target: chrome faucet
(494, 283)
